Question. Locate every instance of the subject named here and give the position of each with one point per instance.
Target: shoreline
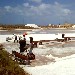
(40, 29)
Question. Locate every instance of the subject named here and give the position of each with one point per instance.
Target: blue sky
(40, 12)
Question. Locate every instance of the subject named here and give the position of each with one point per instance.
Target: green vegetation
(8, 66)
(11, 27)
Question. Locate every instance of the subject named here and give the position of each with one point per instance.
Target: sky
(40, 12)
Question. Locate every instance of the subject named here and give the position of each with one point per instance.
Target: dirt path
(41, 60)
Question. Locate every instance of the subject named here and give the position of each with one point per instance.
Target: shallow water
(48, 31)
(39, 31)
(58, 49)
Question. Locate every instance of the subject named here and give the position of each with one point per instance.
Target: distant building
(49, 24)
(0, 27)
(66, 25)
(32, 25)
(73, 26)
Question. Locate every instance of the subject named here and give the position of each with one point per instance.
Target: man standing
(22, 45)
(16, 38)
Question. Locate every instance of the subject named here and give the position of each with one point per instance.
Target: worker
(16, 38)
(22, 45)
(31, 39)
(31, 48)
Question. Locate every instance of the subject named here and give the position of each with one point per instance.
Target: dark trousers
(22, 49)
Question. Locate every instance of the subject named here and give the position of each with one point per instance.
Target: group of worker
(24, 47)
(17, 38)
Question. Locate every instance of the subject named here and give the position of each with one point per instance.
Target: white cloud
(37, 1)
(60, 10)
(26, 4)
(43, 10)
(67, 11)
(8, 8)
(56, 3)
(40, 10)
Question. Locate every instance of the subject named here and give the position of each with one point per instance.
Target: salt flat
(50, 60)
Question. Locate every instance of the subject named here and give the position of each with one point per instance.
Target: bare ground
(39, 59)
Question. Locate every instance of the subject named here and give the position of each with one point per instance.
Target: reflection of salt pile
(3, 38)
(40, 51)
(57, 49)
(50, 56)
(38, 37)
